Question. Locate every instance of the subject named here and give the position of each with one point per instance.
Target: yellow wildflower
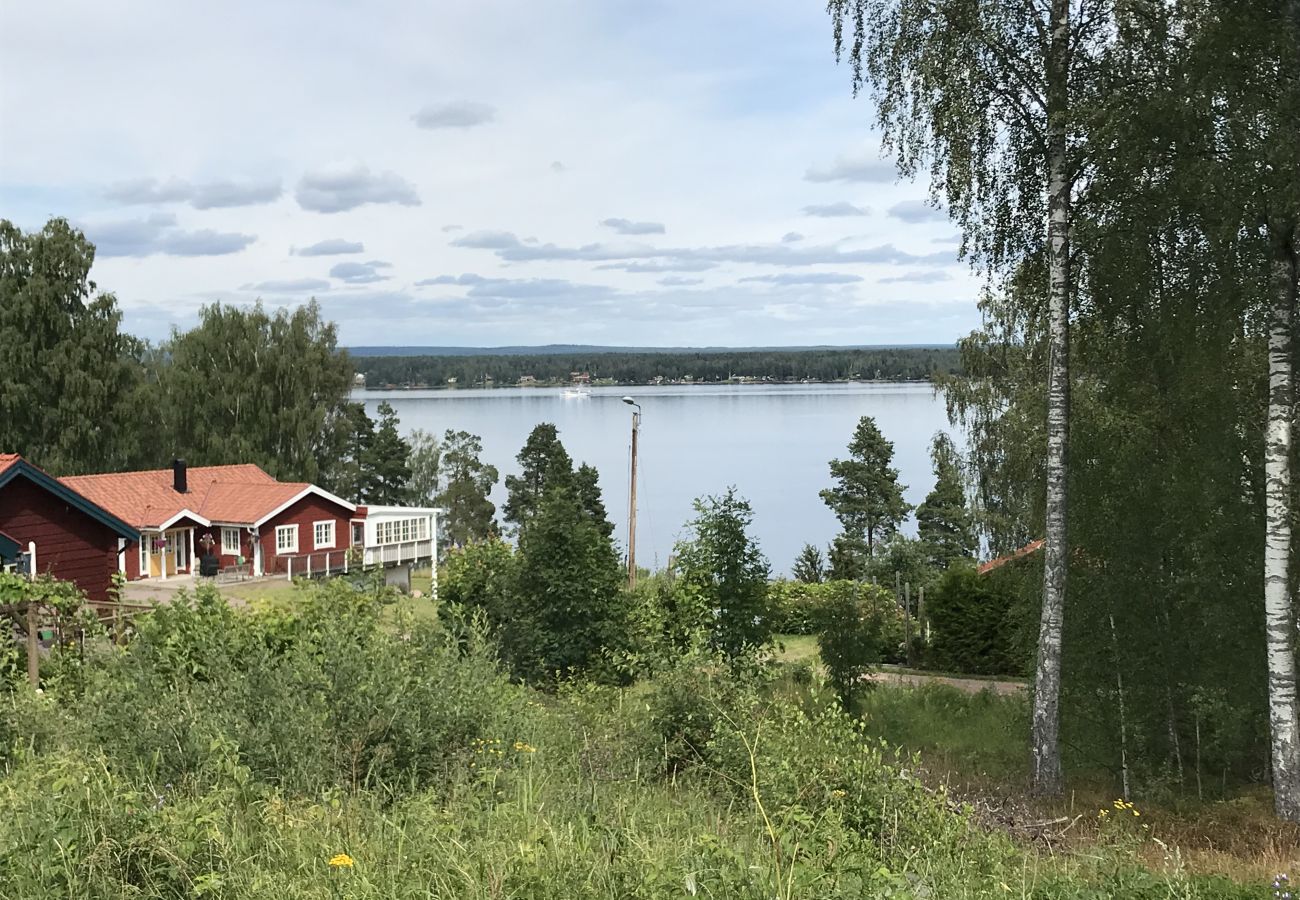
(837, 793)
(341, 861)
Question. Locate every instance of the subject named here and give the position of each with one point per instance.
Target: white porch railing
(309, 565)
(393, 554)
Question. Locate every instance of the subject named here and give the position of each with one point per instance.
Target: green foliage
(246, 385)
(854, 633)
(69, 379)
(867, 498)
(943, 519)
(847, 559)
(424, 461)
(971, 624)
(571, 606)
(259, 745)
(543, 462)
(809, 566)
(816, 364)
(466, 483)
(388, 462)
(798, 608)
(723, 577)
(481, 577)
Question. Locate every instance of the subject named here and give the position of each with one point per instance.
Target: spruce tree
(943, 519)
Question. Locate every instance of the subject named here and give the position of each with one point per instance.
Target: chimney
(178, 476)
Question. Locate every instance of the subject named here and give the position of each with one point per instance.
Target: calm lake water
(772, 442)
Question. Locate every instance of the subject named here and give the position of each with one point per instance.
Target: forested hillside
(816, 364)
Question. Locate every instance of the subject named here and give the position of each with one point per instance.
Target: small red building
(238, 514)
(74, 538)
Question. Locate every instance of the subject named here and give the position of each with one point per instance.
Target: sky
(651, 173)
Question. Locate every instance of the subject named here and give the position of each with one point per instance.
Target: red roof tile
(7, 460)
(239, 495)
(1010, 557)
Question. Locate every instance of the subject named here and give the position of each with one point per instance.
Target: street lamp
(631, 503)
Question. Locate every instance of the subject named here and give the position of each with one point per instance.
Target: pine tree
(543, 462)
(387, 462)
(809, 567)
(467, 482)
(867, 498)
(943, 519)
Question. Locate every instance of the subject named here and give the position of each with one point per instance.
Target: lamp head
(629, 401)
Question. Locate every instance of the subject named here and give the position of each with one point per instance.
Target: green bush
(853, 635)
(325, 696)
(970, 629)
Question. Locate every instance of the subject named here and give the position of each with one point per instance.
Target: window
(230, 544)
(286, 539)
(323, 534)
(358, 533)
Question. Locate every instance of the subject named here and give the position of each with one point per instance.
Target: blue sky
(487, 173)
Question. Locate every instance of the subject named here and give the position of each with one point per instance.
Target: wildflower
(523, 747)
(341, 861)
(838, 794)
(1103, 813)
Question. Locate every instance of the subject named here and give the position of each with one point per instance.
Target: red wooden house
(238, 514)
(74, 538)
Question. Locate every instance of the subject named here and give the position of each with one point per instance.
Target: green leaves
(867, 498)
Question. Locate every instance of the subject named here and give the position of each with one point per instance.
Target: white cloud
(330, 247)
(455, 114)
(835, 210)
(340, 189)
(289, 286)
(159, 234)
(914, 211)
(859, 167)
(217, 194)
(360, 272)
(627, 226)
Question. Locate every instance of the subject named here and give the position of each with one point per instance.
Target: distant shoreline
(635, 384)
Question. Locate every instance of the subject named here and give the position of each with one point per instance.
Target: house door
(179, 547)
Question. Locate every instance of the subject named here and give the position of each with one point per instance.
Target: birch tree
(982, 93)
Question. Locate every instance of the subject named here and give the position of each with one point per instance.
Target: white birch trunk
(1279, 607)
(1045, 738)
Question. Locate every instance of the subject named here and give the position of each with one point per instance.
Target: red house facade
(236, 515)
(74, 538)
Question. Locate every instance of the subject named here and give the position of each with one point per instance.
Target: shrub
(722, 586)
(326, 696)
(969, 631)
(853, 635)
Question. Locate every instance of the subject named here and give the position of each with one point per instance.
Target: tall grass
(235, 755)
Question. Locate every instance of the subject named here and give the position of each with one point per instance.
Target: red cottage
(238, 514)
(74, 538)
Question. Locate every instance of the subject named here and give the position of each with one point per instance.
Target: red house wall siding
(69, 544)
(305, 514)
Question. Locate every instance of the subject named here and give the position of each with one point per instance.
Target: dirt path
(968, 685)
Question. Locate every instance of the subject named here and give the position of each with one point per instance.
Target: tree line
(1127, 178)
(893, 364)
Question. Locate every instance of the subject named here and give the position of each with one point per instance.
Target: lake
(773, 442)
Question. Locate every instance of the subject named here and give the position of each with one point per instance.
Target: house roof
(1001, 561)
(13, 466)
(232, 495)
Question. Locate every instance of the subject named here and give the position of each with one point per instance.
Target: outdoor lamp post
(631, 503)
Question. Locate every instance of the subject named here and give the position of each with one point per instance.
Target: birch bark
(1045, 737)
(1279, 606)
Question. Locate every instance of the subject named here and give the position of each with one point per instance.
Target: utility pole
(631, 503)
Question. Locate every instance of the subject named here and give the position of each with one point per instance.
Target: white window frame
(358, 539)
(228, 549)
(315, 534)
(282, 547)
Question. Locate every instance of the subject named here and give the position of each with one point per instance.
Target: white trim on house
(316, 541)
(306, 492)
(237, 549)
(282, 548)
(183, 514)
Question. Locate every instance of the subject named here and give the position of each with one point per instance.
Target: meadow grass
(343, 747)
